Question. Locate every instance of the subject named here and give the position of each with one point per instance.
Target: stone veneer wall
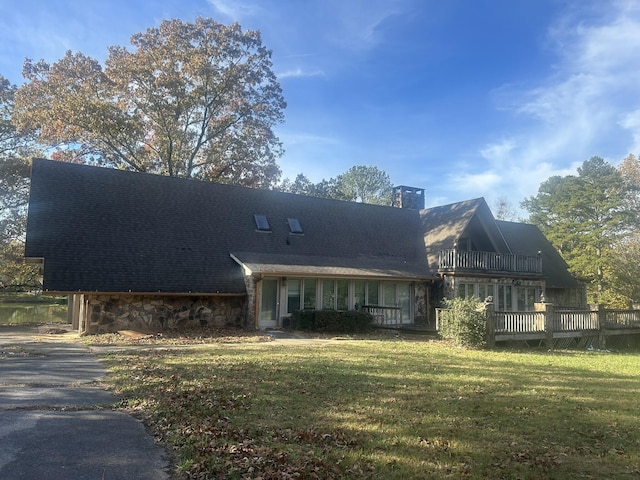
(110, 313)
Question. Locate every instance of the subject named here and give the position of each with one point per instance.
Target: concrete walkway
(56, 424)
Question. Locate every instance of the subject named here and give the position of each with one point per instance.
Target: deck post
(602, 325)
(547, 309)
(490, 322)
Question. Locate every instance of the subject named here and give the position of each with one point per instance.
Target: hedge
(335, 321)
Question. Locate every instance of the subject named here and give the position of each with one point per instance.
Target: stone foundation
(108, 313)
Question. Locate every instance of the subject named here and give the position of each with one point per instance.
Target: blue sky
(464, 98)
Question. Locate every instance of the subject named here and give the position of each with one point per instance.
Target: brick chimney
(408, 197)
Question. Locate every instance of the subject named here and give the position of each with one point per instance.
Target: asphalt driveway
(56, 424)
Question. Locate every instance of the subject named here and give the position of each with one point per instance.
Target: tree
(364, 184)
(15, 151)
(626, 260)
(14, 195)
(630, 171)
(584, 216)
(358, 184)
(626, 268)
(504, 210)
(190, 100)
(303, 186)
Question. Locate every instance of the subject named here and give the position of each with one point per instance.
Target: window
(293, 295)
(342, 296)
(269, 301)
(404, 299)
(328, 294)
(294, 226)
(262, 224)
(390, 295)
(359, 293)
(505, 299)
(465, 290)
(309, 293)
(372, 293)
(526, 298)
(478, 290)
(485, 290)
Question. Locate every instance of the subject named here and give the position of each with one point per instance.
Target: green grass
(32, 313)
(387, 409)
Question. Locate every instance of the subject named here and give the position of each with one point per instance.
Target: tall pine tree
(585, 216)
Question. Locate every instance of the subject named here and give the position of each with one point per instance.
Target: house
(136, 250)
(512, 262)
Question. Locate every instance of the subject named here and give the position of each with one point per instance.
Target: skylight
(262, 224)
(294, 226)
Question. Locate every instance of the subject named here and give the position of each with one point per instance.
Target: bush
(334, 321)
(303, 320)
(463, 321)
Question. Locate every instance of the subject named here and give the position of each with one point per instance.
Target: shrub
(303, 320)
(463, 321)
(334, 321)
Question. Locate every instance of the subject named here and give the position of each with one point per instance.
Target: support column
(490, 322)
(70, 309)
(74, 307)
(547, 309)
(602, 325)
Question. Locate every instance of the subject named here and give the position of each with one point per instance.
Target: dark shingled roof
(445, 225)
(108, 230)
(527, 239)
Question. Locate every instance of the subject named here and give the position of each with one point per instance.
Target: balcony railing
(459, 260)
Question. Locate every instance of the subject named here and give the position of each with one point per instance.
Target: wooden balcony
(489, 262)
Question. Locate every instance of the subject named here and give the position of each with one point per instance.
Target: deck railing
(548, 323)
(454, 259)
(384, 316)
(575, 320)
(519, 322)
(622, 319)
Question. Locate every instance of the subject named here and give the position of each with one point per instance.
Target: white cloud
(631, 122)
(299, 72)
(358, 21)
(498, 152)
(235, 9)
(297, 138)
(588, 105)
(482, 183)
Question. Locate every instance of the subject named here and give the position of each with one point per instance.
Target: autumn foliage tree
(15, 152)
(626, 261)
(193, 100)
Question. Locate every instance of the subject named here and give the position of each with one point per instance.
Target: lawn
(386, 409)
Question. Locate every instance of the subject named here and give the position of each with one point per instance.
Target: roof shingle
(115, 231)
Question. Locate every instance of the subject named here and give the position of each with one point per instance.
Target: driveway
(56, 424)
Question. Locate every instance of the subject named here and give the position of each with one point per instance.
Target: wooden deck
(551, 324)
(565, 324)
(474, 261)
